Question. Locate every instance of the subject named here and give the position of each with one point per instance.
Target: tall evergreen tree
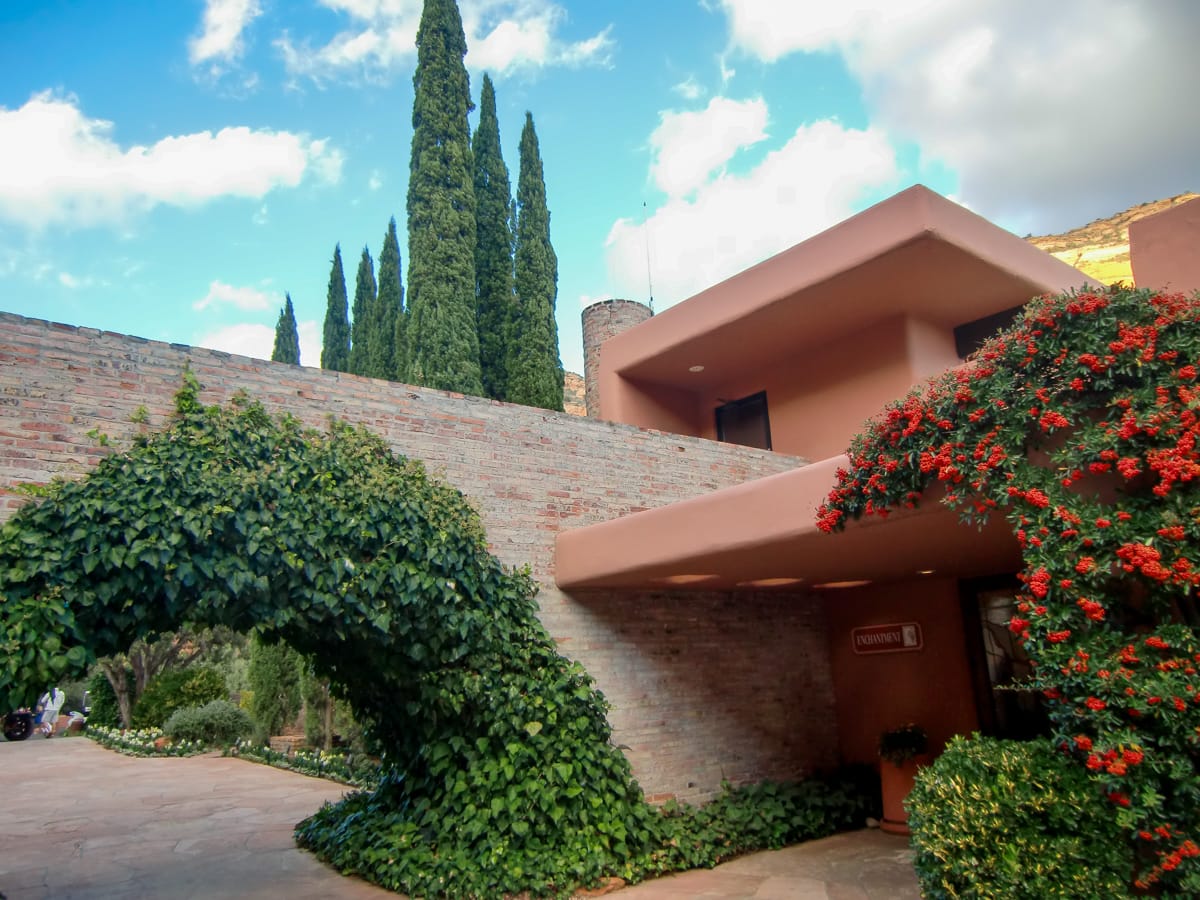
(493, 246)
(335, 344)
(287, 338)
(389, 358)
(443, 345)
(535, 372)
(364, 301)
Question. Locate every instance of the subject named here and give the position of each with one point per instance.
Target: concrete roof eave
(915, 253)
(766, 530)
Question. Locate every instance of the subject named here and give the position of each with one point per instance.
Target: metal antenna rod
(649, 274)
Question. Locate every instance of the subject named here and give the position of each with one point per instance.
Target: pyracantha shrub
(1080, 424)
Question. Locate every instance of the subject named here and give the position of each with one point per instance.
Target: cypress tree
(493, 246)
(535, 372)
(387, 350)
(443, 345)
(287, 338)
(335, 343)
(364, 300)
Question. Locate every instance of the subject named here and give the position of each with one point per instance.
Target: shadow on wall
(716, 686)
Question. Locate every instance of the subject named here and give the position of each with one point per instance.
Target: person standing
(52, 701)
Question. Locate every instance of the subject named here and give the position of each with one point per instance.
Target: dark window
(970, 337)
(745, 422)
(1001, 669)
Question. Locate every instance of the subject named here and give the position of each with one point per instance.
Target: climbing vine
(498, 772)
(1080, 424)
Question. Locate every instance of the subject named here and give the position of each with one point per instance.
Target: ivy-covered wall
(704, 687)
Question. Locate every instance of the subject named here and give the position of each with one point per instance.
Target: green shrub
(175, 689)
(765, 816)
(217, 722)
(273, 676)
(1004, 819)
(103, 700)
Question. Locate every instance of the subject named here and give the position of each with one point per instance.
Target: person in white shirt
(52, 701)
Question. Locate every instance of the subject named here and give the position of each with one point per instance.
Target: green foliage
(443, 345)
(175, 689)
(287, 338)
(103, 708)
(335, 343)
(493, 246)
(1081, 424)
(274, 678)
(364, 303)
(899, 745)
(993, 818)
(386, 352)
(217, 722)
(764, 816)
(353, 768)
(499, 772)
(535, 373)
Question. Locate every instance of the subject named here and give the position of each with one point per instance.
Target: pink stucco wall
(1165, 249)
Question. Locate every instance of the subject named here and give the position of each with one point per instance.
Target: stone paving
(84, 823)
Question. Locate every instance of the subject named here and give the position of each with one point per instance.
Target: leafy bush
(104, 708)
(993, 818)
(764, 816)
(141, 742)
(217, 722)
(273, 676)
(175, 689)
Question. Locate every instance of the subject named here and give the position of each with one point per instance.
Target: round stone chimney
(601, 321)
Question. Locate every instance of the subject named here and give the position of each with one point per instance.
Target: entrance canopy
(763, 534)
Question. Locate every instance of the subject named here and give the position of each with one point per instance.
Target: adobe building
(673, 532)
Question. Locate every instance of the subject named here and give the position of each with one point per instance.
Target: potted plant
(901, 752)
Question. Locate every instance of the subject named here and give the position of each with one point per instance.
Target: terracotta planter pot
(897, 780)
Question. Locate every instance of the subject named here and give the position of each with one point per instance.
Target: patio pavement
(85, 823)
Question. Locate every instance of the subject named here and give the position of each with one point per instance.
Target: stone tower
(601, 321)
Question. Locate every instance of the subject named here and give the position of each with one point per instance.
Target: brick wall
(704, 686)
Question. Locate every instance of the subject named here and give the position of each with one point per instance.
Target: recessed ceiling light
(770, 582)
(926, 571)
(842, 584)
(685, 579)
(695, 368)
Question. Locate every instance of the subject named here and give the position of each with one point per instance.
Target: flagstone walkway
(84, 823)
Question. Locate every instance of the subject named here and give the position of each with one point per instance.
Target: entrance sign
(887, 638)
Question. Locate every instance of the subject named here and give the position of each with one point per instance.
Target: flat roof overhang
(915, 254)
(765, 532)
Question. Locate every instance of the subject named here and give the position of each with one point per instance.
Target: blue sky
(170, 169)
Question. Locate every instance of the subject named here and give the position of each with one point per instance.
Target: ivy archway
(502, 775)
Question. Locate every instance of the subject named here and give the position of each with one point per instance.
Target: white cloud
(689, 89)
(816, 179)
(247, 298)
(262, 216)
(502, 36)
(58, 166)
(220, 39)
(257, 341)
(689, 146)
(1050, 114)
(74, 282)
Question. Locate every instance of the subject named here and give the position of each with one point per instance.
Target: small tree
(274, 676)
(287, 338)
(535, 372)
(335, 345)
(386, 342)
(364, 301)
(493, 247)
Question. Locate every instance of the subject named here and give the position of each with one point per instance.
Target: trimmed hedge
(993, 818)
